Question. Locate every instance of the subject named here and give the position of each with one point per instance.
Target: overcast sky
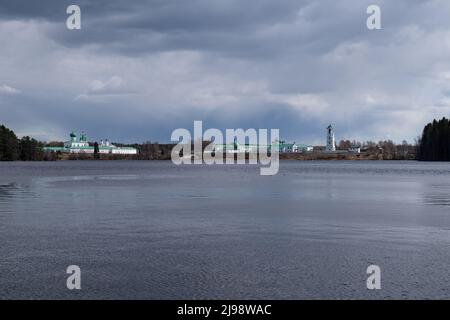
(137, 70)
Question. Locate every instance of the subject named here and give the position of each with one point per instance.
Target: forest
(434, 145)
(25, 149)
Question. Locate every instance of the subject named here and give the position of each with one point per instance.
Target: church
(81, 145)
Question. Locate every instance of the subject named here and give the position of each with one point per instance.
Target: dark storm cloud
(51, 10)
(241, 28)
(138, 69)
(162, 14)
(146, 26)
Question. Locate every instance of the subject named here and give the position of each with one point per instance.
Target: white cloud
(307, 104)
(103, 91)
(109, 86)
(5, 89)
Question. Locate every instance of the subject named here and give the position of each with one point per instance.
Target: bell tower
(331, 141)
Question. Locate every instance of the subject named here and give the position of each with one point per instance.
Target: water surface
(152, 230)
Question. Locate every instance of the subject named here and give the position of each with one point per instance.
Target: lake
(153, 230)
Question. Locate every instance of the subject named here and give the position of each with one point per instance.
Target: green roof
(53, 148)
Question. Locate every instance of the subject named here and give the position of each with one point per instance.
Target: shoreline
(281, 158)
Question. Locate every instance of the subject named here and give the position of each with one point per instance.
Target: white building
(355, 149)
(331, 141)
(75, 145)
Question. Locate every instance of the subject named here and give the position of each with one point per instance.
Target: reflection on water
(149, 229)
(15, 191)
(7, 190)
(439, 200)
(437, 194)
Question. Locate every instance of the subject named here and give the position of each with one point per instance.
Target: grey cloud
(5, 89)
(140, 69)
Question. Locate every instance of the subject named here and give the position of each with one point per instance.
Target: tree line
(434, 145)
(385, 149)
(13, 148)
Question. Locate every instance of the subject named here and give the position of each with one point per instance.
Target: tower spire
(331, 141)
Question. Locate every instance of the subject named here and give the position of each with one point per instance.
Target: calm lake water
(152, 230)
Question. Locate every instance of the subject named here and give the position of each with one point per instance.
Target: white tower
(331, 142)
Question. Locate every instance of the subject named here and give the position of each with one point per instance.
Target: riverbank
(300, 156)
(310, 156)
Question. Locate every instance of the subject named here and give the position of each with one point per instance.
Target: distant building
(236, 148)
(305, 148)
(281, 146)
(331, 141)
(355, 149)
(293, 147)
(287, 147)
(75, 145)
